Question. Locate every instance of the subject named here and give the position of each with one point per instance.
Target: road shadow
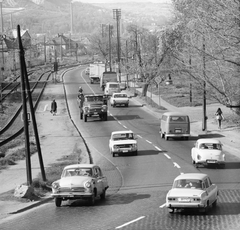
(123, 117)
(211, 135)
(116, 199)
(140, 153)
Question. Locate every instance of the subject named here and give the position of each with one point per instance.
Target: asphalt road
(138, 184)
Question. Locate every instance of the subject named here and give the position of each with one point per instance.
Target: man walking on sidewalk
(54, 107)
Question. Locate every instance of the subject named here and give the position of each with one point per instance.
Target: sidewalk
(59, 129)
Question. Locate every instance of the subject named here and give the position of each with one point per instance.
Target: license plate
(211, 161)
(95, 113)
(184, 199)
(124, 151)
(178, 130)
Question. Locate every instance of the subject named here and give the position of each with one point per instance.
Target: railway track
(14, 124)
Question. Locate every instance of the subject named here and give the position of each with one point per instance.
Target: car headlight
(134, 146)
(87, 184)
(104, 108)
(55, 185)
(86, 109)
(115, 147)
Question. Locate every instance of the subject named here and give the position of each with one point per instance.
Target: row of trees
(202, 41)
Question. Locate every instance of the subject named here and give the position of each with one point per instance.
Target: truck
(93, 106)
(96, 70)
(107, 77)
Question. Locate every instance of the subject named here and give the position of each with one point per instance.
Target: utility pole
(110, 46)
(204, 122)
(25, 117)
(117, 16)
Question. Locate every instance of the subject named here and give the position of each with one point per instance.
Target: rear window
(178, 119)
(113, 86)
(120, 95)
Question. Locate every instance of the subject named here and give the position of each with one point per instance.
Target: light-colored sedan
(119, 99)
(207, 151)
(192, 191)
(123, 142)
(80, 181)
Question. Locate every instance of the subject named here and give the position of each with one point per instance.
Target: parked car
(123, 142)
(208, 151)
(192, 191)
(119, 99)
(112, 87)
(174, 125)
(80, 181)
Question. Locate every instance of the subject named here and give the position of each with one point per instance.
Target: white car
(192, 191)
(207, 152)
(123, 142)
(80, 181)
(119, 99)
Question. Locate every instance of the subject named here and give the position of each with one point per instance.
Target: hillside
(54, 16)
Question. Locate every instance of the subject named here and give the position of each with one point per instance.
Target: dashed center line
(130, 222)
(149, 141)
(167, 156)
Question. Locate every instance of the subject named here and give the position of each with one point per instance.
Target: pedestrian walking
(54, 107)
(219, 117)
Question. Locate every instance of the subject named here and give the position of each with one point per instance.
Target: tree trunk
(144, 89)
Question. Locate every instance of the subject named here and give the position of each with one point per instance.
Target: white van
(112, 87)
(174, 125)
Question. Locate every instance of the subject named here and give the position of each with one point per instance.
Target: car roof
(80, 166)
(175, 114)
(124, 131)
(199, 176)
(208, 140)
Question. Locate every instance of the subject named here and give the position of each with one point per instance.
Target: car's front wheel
(103, 195)
(92, 199)
(58, 202)
(171, 210)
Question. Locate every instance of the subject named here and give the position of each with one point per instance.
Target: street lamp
(2, 67)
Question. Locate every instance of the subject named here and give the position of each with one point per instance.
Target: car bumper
(125, 151)
(71, 195)
(185, 205)
(210, 161)
(178, 135)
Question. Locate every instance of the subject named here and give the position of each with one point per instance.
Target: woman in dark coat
(54, 107)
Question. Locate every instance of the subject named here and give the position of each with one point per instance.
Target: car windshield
(120, 96)
(95, 98)
(210, 146)
(77, 172)
(122, 136)
(188, 183)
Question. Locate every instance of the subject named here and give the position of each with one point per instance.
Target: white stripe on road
(139, 136)
(162, 206)
(125, 126)
(149, 142)
(130, 222)
(176, 165)
(167, 156)
(157, 148)
(45, 108)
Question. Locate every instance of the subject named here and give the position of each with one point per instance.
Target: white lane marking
(167, 156)
(162, 206)
(119, 123)
(176, 165)
(157, 148)
(45, 107)
(139, 136)
(130, 222)
(149, 141)
(125, 126)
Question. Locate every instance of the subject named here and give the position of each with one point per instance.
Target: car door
(99, 180)
(210, 190)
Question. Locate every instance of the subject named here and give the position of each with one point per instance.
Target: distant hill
(54, 16)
